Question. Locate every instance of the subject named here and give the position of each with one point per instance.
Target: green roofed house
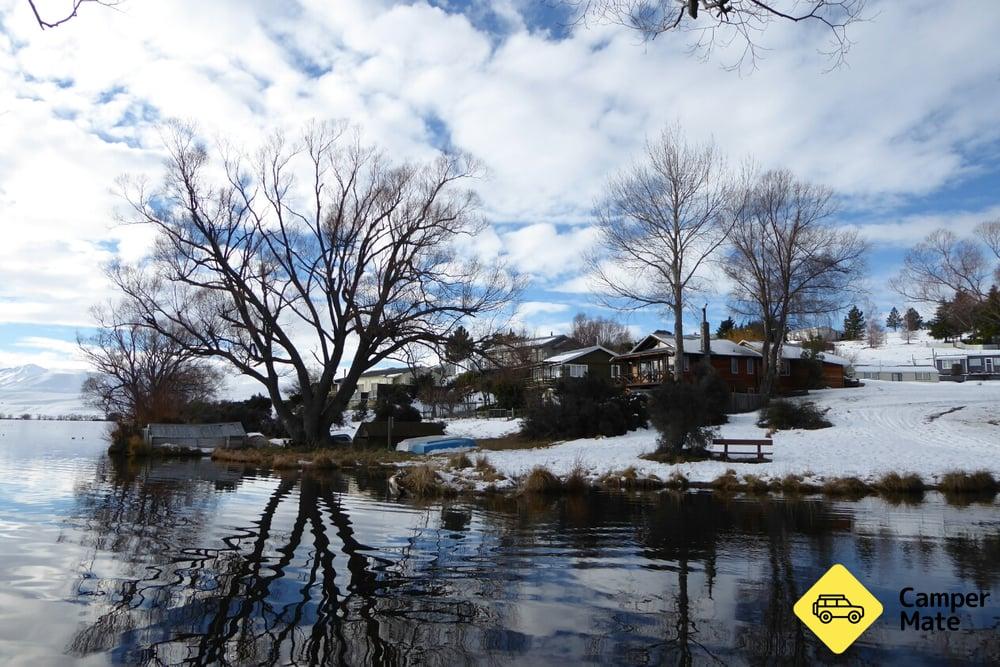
(582, 362)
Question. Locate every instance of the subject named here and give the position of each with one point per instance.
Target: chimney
(706, 346)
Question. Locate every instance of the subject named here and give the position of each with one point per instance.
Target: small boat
(435, 443)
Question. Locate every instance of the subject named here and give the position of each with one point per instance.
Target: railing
(651, 377)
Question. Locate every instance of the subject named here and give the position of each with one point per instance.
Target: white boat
(435, 443)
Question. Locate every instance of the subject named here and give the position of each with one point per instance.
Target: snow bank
(879, 428)
(482, 428)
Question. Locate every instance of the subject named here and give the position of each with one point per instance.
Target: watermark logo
(838, 609)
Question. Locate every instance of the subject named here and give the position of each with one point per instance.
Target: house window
(785, 368)
(616, 371)
(749, 366)
(577, 370)
(734, 366)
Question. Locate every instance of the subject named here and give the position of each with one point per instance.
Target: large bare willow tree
(304, 258)
(788, 261)
(658, 224)
(726, 22)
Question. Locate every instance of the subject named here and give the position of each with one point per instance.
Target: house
(524, 353)
(827, 333)
(370, 381)
(652, 360)
(902, 373)
(202, 436)
(582, 362)
(795, 374)
(971, 364)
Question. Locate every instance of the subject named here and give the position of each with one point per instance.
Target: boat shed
(203, 436)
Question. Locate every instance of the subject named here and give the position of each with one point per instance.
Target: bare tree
(874, 331)
(989, 233)
(141, 374)
(724, 22)
(52, 22)
(306, 257)
(941, 266)
(605, 331)
(787, 261)
(658, 224)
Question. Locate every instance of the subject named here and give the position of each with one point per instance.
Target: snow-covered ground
(878, 428)
(482, 428)
(920, 350)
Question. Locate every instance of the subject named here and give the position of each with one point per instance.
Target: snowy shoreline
(928, 429)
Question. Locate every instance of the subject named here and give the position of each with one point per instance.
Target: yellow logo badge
(838, 609)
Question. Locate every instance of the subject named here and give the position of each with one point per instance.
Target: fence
(744, 402)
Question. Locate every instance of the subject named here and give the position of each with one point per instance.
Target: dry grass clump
(483, 464)
(754, 484)
(324, 461)
(285, 462)
(541, 480)
(894, 483)
(794, 484)
(422, 481)
(727, 482)
(981, 481)
(576, 483)
(459, 461)
(629, 480)
(846, 487)
(677, 480)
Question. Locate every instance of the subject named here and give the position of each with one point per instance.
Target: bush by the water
(780, 414)
(677, 410)
(583, 408)
(395, 401)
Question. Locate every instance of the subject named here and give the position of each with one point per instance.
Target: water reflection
(202, 564)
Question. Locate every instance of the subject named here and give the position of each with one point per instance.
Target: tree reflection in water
(295, 585)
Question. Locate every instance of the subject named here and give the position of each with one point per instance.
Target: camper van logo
(838, 609)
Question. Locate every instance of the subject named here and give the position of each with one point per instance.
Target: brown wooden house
(652, 360)
(582, 362)
(794, 373)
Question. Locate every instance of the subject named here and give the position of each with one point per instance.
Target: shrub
(715, 393)
(677, 480)
(541, 480)
(285, 462)
(679, 412)
(962, 482)
(324, 462)
(460, 460)
(582, 408)
(846, 487)
(795, 484)
(395, 401)
(782, 414)
(896, 483)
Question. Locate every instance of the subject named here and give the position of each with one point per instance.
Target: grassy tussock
(894, 483)
(754, 484)
(845, 487)
(541, 480)
(324, 462)
(677, 480)
(727, 482)
(285, 462)
(576, 483)
(459, 461)
(275, 457)
(422, 481)
(794, 484)
(978, 482)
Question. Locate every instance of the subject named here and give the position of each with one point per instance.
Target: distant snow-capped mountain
(42, 391)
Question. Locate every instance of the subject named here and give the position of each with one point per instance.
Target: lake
(109, 562)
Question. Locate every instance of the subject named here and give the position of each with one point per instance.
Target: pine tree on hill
(894, 321)
(912, 320)
(854, 324)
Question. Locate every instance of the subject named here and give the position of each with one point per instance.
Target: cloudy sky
(906, 132)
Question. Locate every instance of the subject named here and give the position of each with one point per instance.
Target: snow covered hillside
(896, 352)
(40, 391)
(924, 428)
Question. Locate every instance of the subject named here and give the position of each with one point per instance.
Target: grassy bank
(284, 458)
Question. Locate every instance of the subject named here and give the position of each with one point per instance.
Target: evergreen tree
(459, 346)
(894, 321)
(912, 320)
(943, 326)
(726, 327)
(854, 324)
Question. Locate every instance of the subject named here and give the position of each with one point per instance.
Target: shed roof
(223, 430)
(566, 357)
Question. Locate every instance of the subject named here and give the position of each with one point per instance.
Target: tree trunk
(678, 334)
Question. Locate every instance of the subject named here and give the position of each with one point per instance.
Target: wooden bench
(764, 447)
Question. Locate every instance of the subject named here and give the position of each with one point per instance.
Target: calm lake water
(196, 563)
